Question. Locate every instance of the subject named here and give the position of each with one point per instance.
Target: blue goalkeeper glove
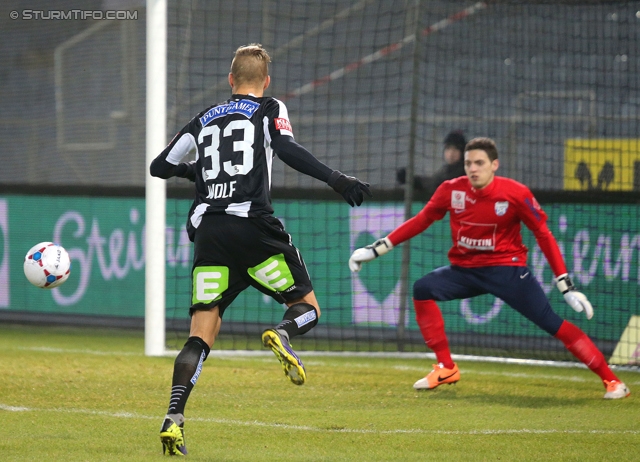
(576, 300)
(368, 253)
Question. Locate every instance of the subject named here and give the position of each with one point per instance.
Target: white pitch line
(256, 423)
(267, 356)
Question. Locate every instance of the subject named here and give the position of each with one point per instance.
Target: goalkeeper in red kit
(488, 257)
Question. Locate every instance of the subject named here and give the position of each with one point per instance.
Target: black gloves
(351, 188)
(186, 170)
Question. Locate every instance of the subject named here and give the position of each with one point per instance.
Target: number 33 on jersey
(231, 142)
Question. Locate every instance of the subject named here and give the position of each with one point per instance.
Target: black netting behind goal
(372, 89)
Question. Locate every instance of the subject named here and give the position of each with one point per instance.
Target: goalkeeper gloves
(368, 253)
(351, 188)
(576, 300)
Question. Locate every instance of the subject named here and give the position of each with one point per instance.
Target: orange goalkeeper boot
(438, 376)
(616, 390)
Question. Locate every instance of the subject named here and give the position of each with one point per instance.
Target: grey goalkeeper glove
(368, 253)
(576, 300)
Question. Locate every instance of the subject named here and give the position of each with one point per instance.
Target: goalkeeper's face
(479, 168)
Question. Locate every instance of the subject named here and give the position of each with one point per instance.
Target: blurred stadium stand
(529, 74)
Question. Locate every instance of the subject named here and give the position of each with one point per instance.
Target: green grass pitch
(92, 395)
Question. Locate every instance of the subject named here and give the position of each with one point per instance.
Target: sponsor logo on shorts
(209, 283)
(273, 274)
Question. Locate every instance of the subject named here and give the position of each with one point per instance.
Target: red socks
(431, 325)
(581, 346)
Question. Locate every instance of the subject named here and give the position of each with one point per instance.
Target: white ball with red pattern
(47, 265)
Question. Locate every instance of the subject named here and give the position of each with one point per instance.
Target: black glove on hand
(186, 170)
(351, 188)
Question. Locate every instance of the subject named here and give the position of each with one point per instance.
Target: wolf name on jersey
(232, 146)
(485, 223)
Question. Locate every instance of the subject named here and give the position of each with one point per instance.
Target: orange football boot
(438, 376)
(616, 390)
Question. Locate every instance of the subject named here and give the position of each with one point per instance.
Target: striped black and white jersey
(234, 144)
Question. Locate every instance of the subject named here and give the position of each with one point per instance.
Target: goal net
(372, 88)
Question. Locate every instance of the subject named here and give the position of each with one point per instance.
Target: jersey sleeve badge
(283, 125)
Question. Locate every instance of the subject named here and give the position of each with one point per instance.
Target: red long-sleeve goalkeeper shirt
(485, 224)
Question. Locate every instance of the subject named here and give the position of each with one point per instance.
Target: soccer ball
(47, 265)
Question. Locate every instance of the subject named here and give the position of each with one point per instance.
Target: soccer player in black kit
(237, 241)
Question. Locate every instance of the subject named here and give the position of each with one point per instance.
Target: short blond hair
(250, 65)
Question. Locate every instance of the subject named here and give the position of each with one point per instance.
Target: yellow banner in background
(628, 349)
(602, 164)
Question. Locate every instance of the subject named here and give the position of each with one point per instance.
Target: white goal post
(155, 188)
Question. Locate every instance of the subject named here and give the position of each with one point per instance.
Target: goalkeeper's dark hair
(250, 64)
(484, 144)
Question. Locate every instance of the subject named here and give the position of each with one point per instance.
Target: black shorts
(232, 253)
